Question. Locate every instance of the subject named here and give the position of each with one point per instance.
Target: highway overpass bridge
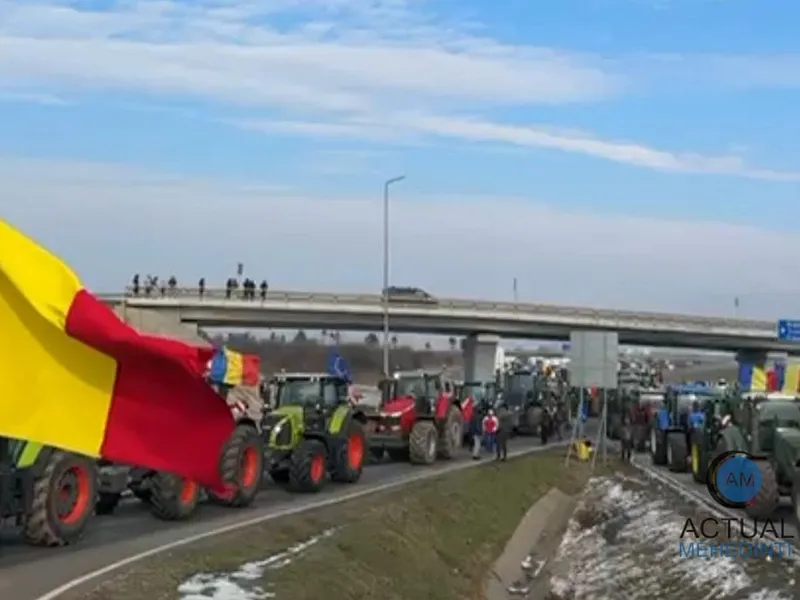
(481, 321)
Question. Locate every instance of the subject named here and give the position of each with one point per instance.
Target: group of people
(152, 284)
(248, 287)
(491, 432)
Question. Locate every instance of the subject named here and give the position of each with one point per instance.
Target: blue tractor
(679, 416)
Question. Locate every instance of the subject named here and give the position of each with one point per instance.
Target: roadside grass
(434, 540)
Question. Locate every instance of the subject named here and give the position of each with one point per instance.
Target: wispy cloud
(378, 70)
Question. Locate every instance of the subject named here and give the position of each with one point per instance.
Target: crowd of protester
(153, 285)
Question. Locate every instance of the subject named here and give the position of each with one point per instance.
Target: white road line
(322, 503)
(697, 497)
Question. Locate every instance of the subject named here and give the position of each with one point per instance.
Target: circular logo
(733, 479)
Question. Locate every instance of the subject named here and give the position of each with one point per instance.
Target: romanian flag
(76, 377)
(752, 377)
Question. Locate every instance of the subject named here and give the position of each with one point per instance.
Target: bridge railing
(622, 316)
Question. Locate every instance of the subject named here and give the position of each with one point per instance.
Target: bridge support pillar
(479, 351)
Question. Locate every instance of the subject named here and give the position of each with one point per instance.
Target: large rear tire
(452, 434)
(172, 498)
(423, 443)
(308, 467)
(62, 500)
(768, 495)
(242, 464)
(658, 446)
(351, 453)
(676, 451)
(699, 458)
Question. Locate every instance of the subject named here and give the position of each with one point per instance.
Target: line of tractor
(684, 427)
(300, 430)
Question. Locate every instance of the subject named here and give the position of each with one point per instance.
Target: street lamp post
(388, 183)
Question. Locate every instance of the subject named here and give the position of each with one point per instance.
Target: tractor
(313, 431)
(642, 409)
(674, 422)
(706, 437)
(419, 419)
(172, 498)
(767, 427)
(47, 492)
(522, 397)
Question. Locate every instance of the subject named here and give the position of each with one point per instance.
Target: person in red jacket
(490, 426)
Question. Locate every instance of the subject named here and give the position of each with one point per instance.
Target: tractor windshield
(410, 386)
(477, 391)
(299, 392)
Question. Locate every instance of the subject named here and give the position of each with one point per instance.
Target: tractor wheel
(62, 500)
(423, 443)
(676, 451)
(768, 496)
(243, 465)
(308, 466)
(658, 446)
(350, 456)
(172, 498)
(452, 434)
(106, 503)
(398, 454)
(533, 420)
(699, 459)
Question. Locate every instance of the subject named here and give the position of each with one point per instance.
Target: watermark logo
(734, 479)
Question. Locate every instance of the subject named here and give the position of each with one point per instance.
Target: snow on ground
(246, 582)
(622, 542)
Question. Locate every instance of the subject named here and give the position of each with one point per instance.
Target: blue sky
(566, 121)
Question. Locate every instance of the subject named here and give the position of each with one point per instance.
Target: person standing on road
(546, 426)
(490, 427)
(476, 431)
(626, 438)
(503, 432)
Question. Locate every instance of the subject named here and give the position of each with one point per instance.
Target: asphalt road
(28, 572)
(784, 513)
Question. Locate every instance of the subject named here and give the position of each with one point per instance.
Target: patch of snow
(241, 584)
(623, 542)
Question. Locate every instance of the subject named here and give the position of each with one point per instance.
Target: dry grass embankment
(435, 540)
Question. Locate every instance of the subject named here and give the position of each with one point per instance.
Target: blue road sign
(789, 330)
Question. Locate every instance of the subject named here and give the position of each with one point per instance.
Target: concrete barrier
(553, 507)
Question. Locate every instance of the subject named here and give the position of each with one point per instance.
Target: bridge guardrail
(631, 317)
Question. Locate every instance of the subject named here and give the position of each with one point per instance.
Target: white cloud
(376, 70)
(110, 221)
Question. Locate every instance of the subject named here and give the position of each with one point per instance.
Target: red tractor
(420, 418)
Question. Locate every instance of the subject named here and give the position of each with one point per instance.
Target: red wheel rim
(74, 495)
(250, 466)
(355, 451)
(317, 468)
(189, 492)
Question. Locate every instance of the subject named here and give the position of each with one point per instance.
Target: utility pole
(387, 184)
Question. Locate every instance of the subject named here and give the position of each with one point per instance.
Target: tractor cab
(420, 389)
(763, 415)
(520, 390)
(321, 391)
(482, 393)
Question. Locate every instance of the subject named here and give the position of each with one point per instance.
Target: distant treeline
(306, 353)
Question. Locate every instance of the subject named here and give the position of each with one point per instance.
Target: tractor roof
(305, 376)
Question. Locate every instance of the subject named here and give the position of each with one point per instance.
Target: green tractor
(49, 493)
(767, 427)
(313, 431)
(522, 396)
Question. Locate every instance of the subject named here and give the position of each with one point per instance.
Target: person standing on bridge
(201, 286)
(135, 284)
(264, 288)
